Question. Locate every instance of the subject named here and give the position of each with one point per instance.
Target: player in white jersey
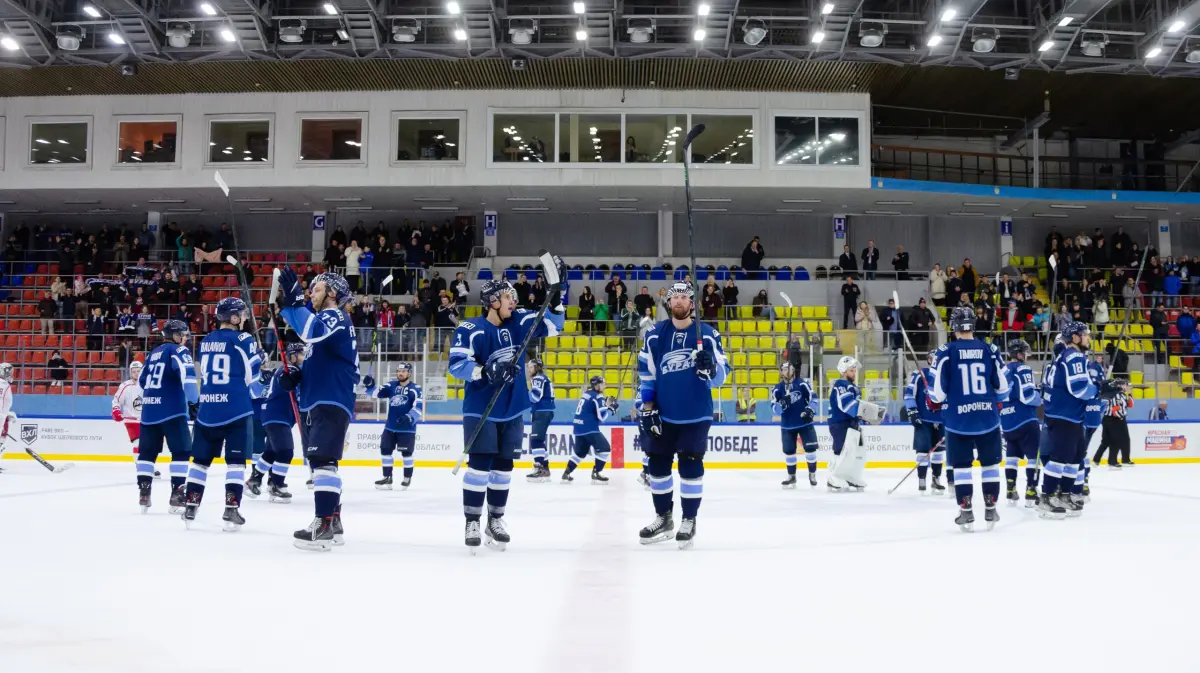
(6, 400)
(127, 405)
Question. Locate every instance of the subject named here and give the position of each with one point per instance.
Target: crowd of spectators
(406, 253)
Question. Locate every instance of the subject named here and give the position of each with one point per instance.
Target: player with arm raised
(169, 397)
(541, 395)
(593, 409)
(483, 354)
(968, 379)
(792, 400)
(1019, 422)
(326, 383)
(230, 376)
(927, 427)
(278, 415)
(677, 377)
(406, 408)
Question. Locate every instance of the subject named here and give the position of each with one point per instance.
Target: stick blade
(896, 298)
(692, 135)
(386, 281)
(232, 261)
(221, 182)
(274, 286)
(549, 266)
(786, 299)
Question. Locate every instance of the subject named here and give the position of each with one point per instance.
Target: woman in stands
(587, 308)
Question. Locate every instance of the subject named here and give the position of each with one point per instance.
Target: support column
(318, 236)
(1006, 240)
(1164, 238)
(154, 224)
(666, 233)
(841, 235)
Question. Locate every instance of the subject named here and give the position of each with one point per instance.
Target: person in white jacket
(127, 405)
(6, 400)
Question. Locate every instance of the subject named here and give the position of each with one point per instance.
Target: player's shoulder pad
(416, 388)
(466, 325)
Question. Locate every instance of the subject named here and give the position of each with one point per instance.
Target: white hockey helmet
(6, 371)
(786, 371)
(135, 368)
(846, 364)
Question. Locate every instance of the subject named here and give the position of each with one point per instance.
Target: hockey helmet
(786, 371)
(171, 328)
(335, 284)
(1018, 349)
(536, 363)
(135, 368)
(6, 371)
(493, 289)
(229, 307)
(1073, 329)
(294, 349)
(405, 368)
(595, 381)
(846, 364)
(931, 356)
(681, 288)
(962, 320)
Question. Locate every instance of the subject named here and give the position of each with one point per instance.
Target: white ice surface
(778, 580)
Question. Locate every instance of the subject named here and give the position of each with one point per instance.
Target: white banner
(729, 445)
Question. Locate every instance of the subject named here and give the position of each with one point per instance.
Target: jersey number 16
(974, 378)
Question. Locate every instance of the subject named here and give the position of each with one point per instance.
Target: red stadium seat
(43, 269)
(39, 389)
(110, 358)
(93, 357)
(39, 341)
(82, 374)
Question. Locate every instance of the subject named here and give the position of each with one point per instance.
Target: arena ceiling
(998, 57)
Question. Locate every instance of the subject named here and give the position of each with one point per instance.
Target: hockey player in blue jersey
(845, 418)
(968, 380)
(541, 395)
(406, 408)
(927, 428)
(1019, 423)
(483, 354)
(277, 411)
(792, 400)
(593, 409)
(230, 376)
(169, 393)
(326, 384)
(677, 377)
(1093, 417)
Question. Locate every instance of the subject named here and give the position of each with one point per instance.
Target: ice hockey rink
(778, 580)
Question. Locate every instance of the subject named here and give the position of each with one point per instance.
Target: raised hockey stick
(42, 461)
(687, 195)
(787, 300)
(280, 345)
(551, 270)
(1128, 312)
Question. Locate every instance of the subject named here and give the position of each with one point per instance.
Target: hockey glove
(291, 292)
(807, 415)
(368, 382)
(290, 379)
(117, 415)
(785, 402)
(611, 403)
(914, 417)
(499, 372)
(193, 411)
(650, 422)
(1109, 388)
(706, 364)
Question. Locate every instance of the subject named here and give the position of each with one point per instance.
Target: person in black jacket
(729, 298)
(920, 324)
(900, 263)
(752, 255)
(97, 326)
(870, 260)
(58, 369)
(850, 293)
(848, 262)
(1161, 328)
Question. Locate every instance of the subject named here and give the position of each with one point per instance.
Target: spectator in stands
(66, 310)
(58, 369)
(1132, 295)
(46, 308)
(146, 322)
(524, 290)
(1012, 323)
(920, 323)
(1186, 323)
(439, 283)
(870, 260)
(937, 285)
(168, 289)
(964, 299)
(889, 320)
(954, 288)
(353, 256)
(446, 321)
(760, 304)
(126, 327)
(587, 309)
(644, 302)
(900, 263)
(365, 265)
(82, 294)
(185, 253)
(382, 265)
(65, 251)
(428, 257)
(96, 329)
(145, 238)
(95, 262)
(602, 318)
(752, 255)
(847, 261)
(1172, 284)
(711, 305)
(335, 256)
(970, 279)
(1158, 413)
(429, 302)
(417, 324)
(1082, 240)
(120, 252)
(1134, 259)
(58, 288)
(1040, 327)
(850, 294)
(358, 235)
(539, 289)
(1160, 329)
(385, 322)
(984, 323)
(865, 322)
(190, 290)
(461, 289)
(1100, 311)
(729, 299)
(627, 325)
(1155, 277)
(612, 287)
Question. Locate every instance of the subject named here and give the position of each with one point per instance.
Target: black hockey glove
(807, 415)
(785, 402)
(368, 382)
(914, 417)
(291, 292)
(193, 411)
(650, 422)
(290, 379)
(1109, 388)
(611, 403)
(706, 364)
(499, 372)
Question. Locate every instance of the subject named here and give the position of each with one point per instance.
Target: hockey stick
(44, 463)
(1128, 312)
(788, 301)
(551, 270)
(687, 195)
(232, 259)
(279, 342)
(914, 468)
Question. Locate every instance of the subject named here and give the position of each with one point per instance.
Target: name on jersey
(151, 400)
(676, 361)
(974, 406)
(214, 397)
(212, 346)
(1004, 411)
(971, 354)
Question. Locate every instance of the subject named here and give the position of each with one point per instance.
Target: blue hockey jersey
(667, 372)
(478, 342)
(330, 357)
(843, 402)
(1019, 407)
(1067, 386)
(406, 405)
(276, 403)
(541, 393)
(1093, 413)
(590, 413)
(168, 384)
(800, 393)
(968, 378)
(916, 395)
(229, 376)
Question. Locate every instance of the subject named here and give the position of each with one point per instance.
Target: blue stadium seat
(511, 274)
(681, 271)
(801, 273)
(532, 275)
(722, 273)
(597, 274)
(485, 274)
(657, 273)
(783, 274)
(575, 274)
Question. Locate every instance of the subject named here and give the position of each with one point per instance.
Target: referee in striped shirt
(1115, 429)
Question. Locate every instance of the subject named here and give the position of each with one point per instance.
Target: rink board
(440, 443)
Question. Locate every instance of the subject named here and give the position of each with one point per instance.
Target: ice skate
(853, 486)
(937, 487)
(687, 534)
(189, 509)
(990, 515)
(922, 488)
(339, 533)
(1127, 463)
(1087, 492)
(406, 483)
(566, 478)
(384, 484)
(144, 498)
(540, 474)
(644, 480)
(599, 479)
(176, 503)
(966, 516)
(471, 536)
(812, 479)
(497, 534)
(1050, 507)
(790, 482)
(233, 520)
(1031, 497)
(660, 529)
(278, 494)
(1073, 504)
(1012, 496)
(317, 537)
(254, 483)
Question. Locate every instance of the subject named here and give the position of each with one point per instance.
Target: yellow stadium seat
(560, 376)
(821, 312)
(740, 377)
(1177, 392)
(807, 312)
(612, 359)
(872, 374)
(1175, 361)
(627, 357)
(579, 359)
(810, 326)
(1136, 377)
(779, 312)
(716, 394)
(745, 312)
(573, 394)
(595, 359)
(780, 327)
(1148, 392)
(753, 342)
(781, 343)
(770, 359)
(612, 376)
(549, 358)
(573, 312)
(761, 394)
(735, 327)
(754, 326)
(626, 394)
(1110, 330)
(797, 326)
(570, 326)
(611, 342)
(1137, 394)
(772, 376)
(738, 359)
(1143, 329)
(552, 342)
(577, 377)
(757, 377)
(594, 372)
(566, 342)
(829, 343)
(735, 343)
(560, 392)
(825, 326)
(756, 359)
(1146, 346)
(1187, 379)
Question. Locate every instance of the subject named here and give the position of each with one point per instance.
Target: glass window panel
(58, 143)
(727, 139)
(146, 142)
(656, 138)
(839, 140)
(427, 139)
(589, 138)
(331, 139)
(239, 140)
(795, 141)
(517, 137)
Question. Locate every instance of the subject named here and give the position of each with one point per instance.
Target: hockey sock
(475, 485)
(990, 476)
(1080, 477)
(262, 464)
(499, 478)
(179, 469)
(197, 477)
(573, 462)
(811, 458)
(279, 472)
(1011, 464)
(964, 486)
(602, 459)
(1031, 474)
(409, 461)
(235, 477)
(662, 483)
(938, 459)
(789, 459)
(537, 448)
(691, 484)
(1067, 482)
(388, 462)
(257, 460)
(922, 465)
(327, 489)
(1051, 476)
(949, 475)
(145, 473)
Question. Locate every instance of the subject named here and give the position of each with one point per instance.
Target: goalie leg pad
(851, 464)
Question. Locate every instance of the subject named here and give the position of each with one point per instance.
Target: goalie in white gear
(846, 412)
(6, 401)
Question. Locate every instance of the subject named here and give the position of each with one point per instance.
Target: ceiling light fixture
(1093, 44)
(343, 35)
(640, 30)
(817, 37)
(934, 40)
(179, 35)
(983, 40)
(115, 38)
(753, 31)
(699, 35)
(91, 11)
(460, 34)
(330, 9)
(402, 32)
(703, 9)
(452, 8)
(292, 31)
(579, 8)
(827, 8)
(227, 35)
(9, 43)
(581, 35)
(1046, 46)
(1176, 26)
(949, 13)
(1154, 52)
(1065, 21)
(871, 35)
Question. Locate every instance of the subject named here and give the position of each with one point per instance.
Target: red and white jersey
(128, 401)
(6, 398)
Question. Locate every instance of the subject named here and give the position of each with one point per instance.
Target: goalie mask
(6, 372)
(847, 364)
(135, 369)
